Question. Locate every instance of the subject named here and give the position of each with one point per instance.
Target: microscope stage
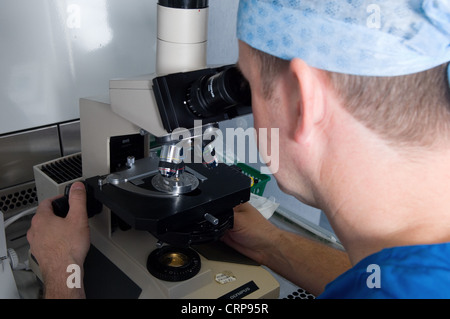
(199, 216)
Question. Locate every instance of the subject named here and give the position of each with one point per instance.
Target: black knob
(61, 205)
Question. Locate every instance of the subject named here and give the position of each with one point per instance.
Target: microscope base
(216, 279)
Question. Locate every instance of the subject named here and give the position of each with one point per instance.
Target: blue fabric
(408, 272)
(361, 37)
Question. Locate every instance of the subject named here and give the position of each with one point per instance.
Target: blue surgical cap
(360, 37)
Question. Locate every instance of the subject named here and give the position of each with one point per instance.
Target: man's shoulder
(421, 271)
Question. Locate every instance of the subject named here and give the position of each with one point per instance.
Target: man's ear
(311, 101)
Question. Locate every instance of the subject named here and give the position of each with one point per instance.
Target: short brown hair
(408, 110)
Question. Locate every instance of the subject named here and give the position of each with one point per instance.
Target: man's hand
(307, 263)
(252, 235)
(58, 242)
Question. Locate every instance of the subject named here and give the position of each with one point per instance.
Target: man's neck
(384, 199)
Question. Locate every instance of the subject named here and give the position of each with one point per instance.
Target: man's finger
(77, 201)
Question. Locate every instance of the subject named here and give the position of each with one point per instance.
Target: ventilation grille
(300, 293)
(15, 199)
(64, 170)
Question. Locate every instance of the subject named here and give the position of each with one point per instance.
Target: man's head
(410, 110)
(407, 111)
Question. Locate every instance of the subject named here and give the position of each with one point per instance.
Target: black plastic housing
(172, 95)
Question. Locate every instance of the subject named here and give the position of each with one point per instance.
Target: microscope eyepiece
(213, 95)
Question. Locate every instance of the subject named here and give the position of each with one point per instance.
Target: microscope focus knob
(61, 205)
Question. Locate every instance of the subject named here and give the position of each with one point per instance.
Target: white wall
(55, 51)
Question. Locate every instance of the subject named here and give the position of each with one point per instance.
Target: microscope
(157, 213)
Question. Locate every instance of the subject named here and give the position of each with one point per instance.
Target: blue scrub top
(421, 271)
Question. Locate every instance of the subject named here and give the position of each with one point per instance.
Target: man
(365, 136)
(362, 104)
